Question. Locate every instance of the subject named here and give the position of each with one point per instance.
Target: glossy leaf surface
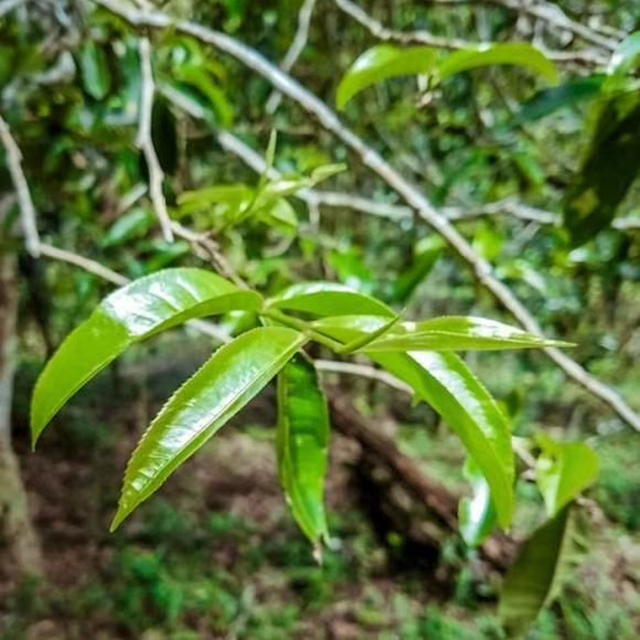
(445, 382)
(541, 569)
(302, 442)
(477, 515)
(130, 314)
(224, 384)
(519, 54)
(448, 333)
(380, 63)
(328, 299)
(563, 471)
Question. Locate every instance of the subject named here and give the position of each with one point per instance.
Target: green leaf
(302, 443)
(94, 67)
(608, 170)
(541, 569)
(625, 57)
(380, 63)
(135, 312)
(563, 471)
(447, 333)
(133, 224)
(328, 299)
(570, 94)
(477, 515)
(204, 82)
(427, 252)
(234, 375)
(445, 383)
(519, 54)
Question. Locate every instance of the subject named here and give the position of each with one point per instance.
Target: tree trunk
(16, 528)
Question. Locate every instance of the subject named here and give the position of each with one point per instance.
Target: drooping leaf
(477, 515)
(569, 94)
(302, 445)
(447, 333)
(608, 169)
(234, 375)
(328, 299)
(563, 471)
(520, 54)
(543, 566)
(445, 383)
(164, 134)
(133, 224)
(133, 313)
(94, 67)
(380, 63)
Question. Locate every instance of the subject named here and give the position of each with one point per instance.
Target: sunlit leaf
(380, 63)
(563, 471)
(477, 515)
(445, 383)
(520, 54)
(234, 375)
(448, 333)
(135, 312)
(302, 444)
(543, 566)
(327, 298)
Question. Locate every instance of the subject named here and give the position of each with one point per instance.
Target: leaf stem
(301, 325)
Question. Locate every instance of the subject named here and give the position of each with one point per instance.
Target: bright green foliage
(385, 61)
(328, 299)
(477, 514)
(445, 383)
(563, 471)
(518, 54)
(302, 445)
(131, 314)
(541, 569)
(95, 71)
(448, 333)
(380, 63)
(224, 384)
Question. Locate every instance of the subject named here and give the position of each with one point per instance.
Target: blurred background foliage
(216, 554)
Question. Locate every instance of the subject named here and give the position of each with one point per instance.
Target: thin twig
(410, 194)
(298, 44)
(27, 209)
(144, 141)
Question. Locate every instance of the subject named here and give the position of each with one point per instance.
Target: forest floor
(215, 553)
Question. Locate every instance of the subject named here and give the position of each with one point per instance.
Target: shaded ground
(216, 555)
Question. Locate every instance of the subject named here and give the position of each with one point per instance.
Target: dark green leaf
(563, 471)
(135, 312)
(570, 94)
(608, 169)
(541, 569)
(380, 63)
(234, 375)
(302, 445)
